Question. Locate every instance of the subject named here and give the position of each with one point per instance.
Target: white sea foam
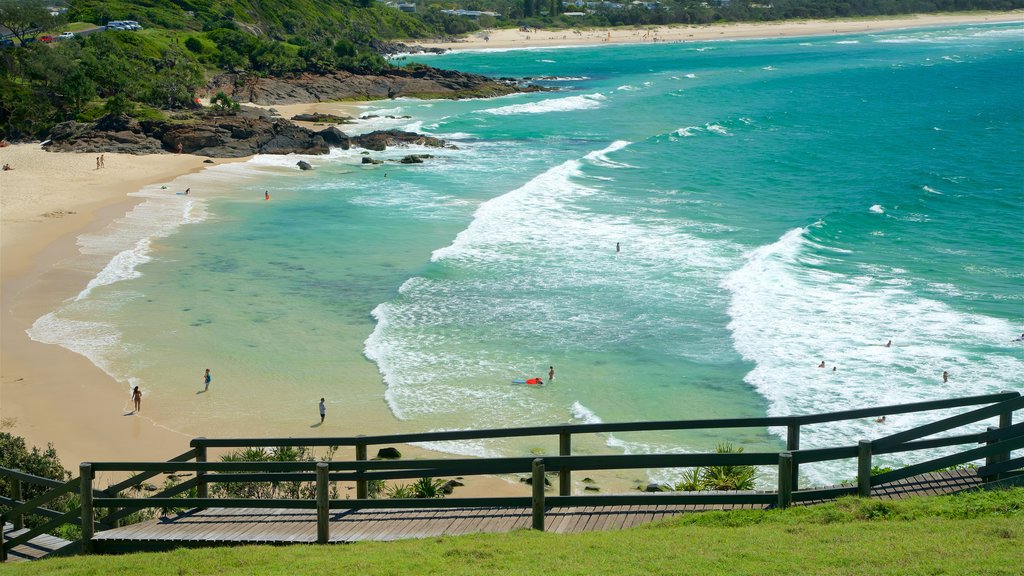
(877, 209)
(600, 157)
(688, 132)
(121, 267)
(717, 129)
(788, 316)
(930, 190)
(568, 104)
(486, 278)
(626, 87)
(583, 415)
(690, 75)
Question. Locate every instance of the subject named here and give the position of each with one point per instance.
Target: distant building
(407, 7)
(470, 13)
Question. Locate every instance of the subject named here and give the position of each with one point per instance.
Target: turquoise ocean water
(777, 203)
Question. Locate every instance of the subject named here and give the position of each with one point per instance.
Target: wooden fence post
(19, 520)
(792, 445)
(786, 467)
(992, 458)
(88, 515)
(3, 541)
(361, 483)
(864, 468)
(202, 491)
(564, 474)
(1005, 421)
(323, 512)
(538, 494)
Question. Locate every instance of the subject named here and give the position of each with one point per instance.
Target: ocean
(681, 230)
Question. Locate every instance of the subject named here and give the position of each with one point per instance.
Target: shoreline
(57, 396)
(52, 395)
(507, 38)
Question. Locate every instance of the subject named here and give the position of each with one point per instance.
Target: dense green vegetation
(974, 533)
(185, 41)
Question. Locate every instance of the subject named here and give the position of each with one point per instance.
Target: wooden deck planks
(288, 525)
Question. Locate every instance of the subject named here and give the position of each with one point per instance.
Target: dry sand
(535, 38)
(49, 394)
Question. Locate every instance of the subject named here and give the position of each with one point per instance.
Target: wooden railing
(997, 446)
(565, 432)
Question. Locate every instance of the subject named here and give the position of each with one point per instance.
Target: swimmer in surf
(266, 195)
(888, 344)
(822, 365)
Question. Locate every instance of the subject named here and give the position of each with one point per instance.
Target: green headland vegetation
(177, 45)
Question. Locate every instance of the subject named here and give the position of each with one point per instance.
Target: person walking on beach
(97, 162)
(103, 161)
(323, 410)
(551, 373)
(137, 398)
(206, 380)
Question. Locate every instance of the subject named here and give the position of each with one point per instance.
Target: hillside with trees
(163, 63)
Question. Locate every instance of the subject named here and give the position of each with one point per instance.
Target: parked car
(66, 36)
(47, 38)
(6, 43)
(28, 41)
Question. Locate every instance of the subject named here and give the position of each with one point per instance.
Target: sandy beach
(49, 394)
(540, 38)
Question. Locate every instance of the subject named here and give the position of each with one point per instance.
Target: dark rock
(208, 161)
(588, 480)
(450, 486)
(368, 160)
(335, 138)
(322, 118)
(654, 487)
(415, 81)
(591, 489)
(389, 453)
(414, 159)
(303, 165)
(381, 139)
(528, 480)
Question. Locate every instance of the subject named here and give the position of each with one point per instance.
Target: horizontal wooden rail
(203, 503)
(606, 427)
(30, 478)
(958, 440)
(140, 478)
(999, 468)
(24, 537)
(990, 411)
(907, 408)
(45, 512)
(29, 505)
(951, 460)
(665, 498)
(823, 493)
(168, 493)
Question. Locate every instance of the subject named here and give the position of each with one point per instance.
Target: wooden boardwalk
(35, 548)
(223, 526)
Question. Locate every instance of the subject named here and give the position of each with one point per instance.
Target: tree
(25, 17)
(223, 103)
(45, 463)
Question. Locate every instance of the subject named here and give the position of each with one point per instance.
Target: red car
(46, 38)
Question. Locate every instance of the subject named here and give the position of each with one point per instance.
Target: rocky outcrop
(386, 49)
(381, 139)
(219, 136)
(303, 165)
(206, 134)
(322, 118)
(414, 81)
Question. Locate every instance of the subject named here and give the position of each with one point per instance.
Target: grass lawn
(977, 533)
